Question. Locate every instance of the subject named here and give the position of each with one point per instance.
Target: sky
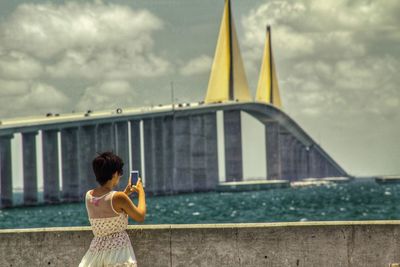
(338, 64)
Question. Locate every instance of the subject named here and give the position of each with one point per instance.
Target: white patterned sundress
(111, 245)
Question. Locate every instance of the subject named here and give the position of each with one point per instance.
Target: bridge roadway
(180, 148)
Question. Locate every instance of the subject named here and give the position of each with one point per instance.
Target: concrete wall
(368, 243)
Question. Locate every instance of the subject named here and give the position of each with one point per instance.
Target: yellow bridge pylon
(228, 80)
(268, 89)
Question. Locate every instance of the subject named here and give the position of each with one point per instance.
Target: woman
(108, 212)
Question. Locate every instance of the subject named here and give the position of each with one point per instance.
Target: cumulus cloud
(17, 65)
(84, 44)
(10, 88)
(51, 29)
(22, 98)
(273, 13)
(352, 87)
(197, 65)
(53, 99)
(326, 54)
(108, 95)
(117, 63)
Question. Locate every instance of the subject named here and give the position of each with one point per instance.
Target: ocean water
(360, 200)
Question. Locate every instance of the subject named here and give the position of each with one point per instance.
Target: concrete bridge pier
(233, 146)
(291, 164)
(198, 153)
(168, 153)
(105, 137)
(298, 160)
(122, 149)
(333, 171)
(136, 160)
(86, 154)
(29, 167)
(329, 170)
(315, 161)
(158, 155)
(155, 150)
(183, 181)
(149, 154)
(321, 166)
(51, 184)
(313, 158)
(6, 193)
(211, 150)
(285, 141)
(273, 149)
(303, 162)
(70, 164)
(324, 167)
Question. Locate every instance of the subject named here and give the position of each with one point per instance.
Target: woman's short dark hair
(105, 165)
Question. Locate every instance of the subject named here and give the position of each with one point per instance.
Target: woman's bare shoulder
(120, 197)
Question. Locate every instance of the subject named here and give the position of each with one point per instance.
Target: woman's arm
(123, 203)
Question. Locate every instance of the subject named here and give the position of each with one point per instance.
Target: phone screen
(135, 176)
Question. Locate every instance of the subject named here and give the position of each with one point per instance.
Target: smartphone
(135, 176)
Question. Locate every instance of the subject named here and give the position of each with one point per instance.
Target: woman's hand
(139, 186)
(129, 189)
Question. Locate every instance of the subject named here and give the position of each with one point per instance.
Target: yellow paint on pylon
(219, 83)
(268, 92)
(240, 85)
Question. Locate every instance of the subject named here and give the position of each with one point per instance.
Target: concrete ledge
(354, 243)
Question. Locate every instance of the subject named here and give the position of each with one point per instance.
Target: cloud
(22, 98)
(352, 87)
(48, 46)
(17, 65)
(197, 65)
(110, 63)
(329, 55)
(273, 13)
(52, 29)
(10, 88)
(108, 95)
(54, 98)
(82, 40)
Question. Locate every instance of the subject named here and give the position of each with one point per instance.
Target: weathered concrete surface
(86, 152)
(51, 181)
(122, 147)
(29, 167)
(5, 172)
(367, 243)
(69, 166)
(273, 151)
(233, 146)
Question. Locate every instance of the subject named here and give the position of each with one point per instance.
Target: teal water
(361, 200)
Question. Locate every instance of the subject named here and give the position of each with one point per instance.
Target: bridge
(180, 149)
(179, 142)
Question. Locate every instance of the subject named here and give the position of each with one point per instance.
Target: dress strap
(112, 196)
(86, 199)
